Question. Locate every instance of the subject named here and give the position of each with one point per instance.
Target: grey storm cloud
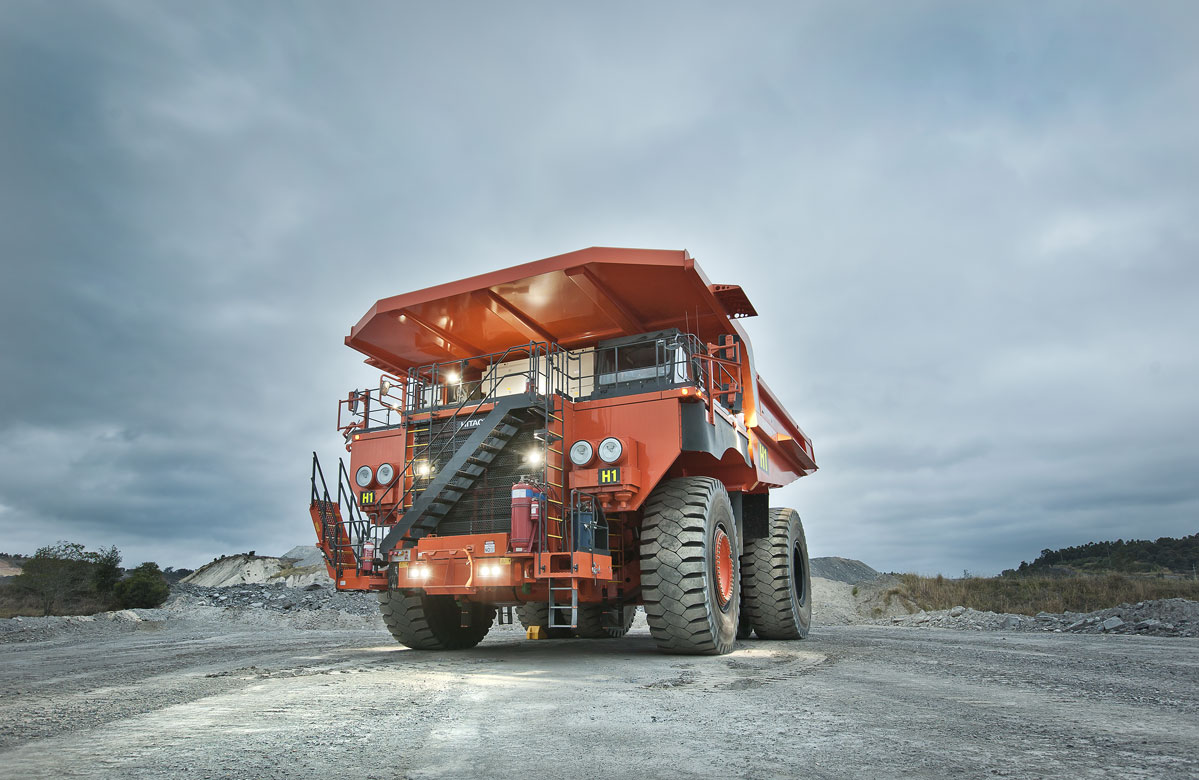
(970, 232)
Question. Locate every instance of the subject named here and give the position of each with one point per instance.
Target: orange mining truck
(571, 438)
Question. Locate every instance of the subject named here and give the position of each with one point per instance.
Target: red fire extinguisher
(368, 556)
(526, 514)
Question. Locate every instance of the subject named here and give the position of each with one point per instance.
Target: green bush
(144, 587)
(55, 575)
(106, 571)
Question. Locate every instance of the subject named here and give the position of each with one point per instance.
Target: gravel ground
(272, 691)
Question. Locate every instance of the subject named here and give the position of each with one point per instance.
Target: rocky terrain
(1163, 617)
(259, 679)
(834, 603)
(266, 681)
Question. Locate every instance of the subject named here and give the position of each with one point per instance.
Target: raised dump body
(573, 437)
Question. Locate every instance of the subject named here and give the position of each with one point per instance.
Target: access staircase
(343, 538)
(427, 502)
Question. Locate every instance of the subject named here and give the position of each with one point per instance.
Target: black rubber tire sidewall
(592, 619)
(423, 622)
(537, 613)
(678, 581)
(776, 608)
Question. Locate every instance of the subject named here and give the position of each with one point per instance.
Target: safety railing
(541, 369)
(348, 529)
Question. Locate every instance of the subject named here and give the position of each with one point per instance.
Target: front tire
(424, 622)
(690, 571)
(777, 581)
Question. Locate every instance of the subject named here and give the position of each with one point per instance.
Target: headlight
(363, 476)
(386, 473)
(610, 450)
(581, 453)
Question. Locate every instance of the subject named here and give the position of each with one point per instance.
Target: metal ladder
(556, 608)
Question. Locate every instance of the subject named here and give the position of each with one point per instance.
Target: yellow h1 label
(367, 497)
(763, 457)
(609, 476)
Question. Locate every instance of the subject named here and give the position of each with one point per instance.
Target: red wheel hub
(723, 566)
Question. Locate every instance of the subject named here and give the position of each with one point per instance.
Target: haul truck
(571, 437)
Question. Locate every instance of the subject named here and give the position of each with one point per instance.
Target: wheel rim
(798, 580)
(722, 565)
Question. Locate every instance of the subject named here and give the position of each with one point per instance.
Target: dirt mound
(235, 570)
(842, 570)
(304, 555)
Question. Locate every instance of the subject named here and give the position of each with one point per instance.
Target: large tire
(594, 619)
(535, 613)
(690, 572)
(776, 579)
(433, 622)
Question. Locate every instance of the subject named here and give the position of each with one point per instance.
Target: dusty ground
(209, 696)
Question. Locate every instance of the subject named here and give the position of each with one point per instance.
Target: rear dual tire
(777, 583)
(594, 621)
(424, 622)
(537, 614)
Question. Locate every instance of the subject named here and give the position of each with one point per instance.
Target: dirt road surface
(205, 700)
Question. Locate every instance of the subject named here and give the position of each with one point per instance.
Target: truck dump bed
(575, 300)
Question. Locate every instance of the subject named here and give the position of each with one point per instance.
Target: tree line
(1180, 556)
(66, 578)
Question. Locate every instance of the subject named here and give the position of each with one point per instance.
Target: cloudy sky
(971, 232)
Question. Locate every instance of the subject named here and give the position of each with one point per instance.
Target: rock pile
(1163, 617)
(275, 597)
(842, 570)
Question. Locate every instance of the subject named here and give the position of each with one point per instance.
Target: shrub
(1030, 595)
(144, 587)
(55, 574)
(107, 570)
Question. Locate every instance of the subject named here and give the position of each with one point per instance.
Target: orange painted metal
(573, 299)
(723, 558)
(462, 565)
(650, 426)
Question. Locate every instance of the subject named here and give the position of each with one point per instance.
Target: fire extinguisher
(526, 515)
(368, 556)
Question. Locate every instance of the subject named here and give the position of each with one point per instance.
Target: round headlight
(386, 473)
(581, 453)
(610, 450)
(363, 476)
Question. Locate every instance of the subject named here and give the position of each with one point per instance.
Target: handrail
(353, 518)
(317, 471)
